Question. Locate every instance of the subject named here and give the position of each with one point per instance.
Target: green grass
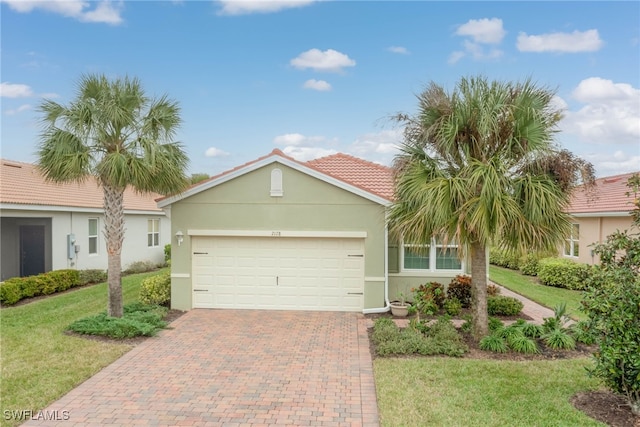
(545, 295)
(467, 392)
(39, 362)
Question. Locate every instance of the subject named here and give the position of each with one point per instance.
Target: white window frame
(572, 242)
(93, 236)
(433, 252)
(155, 231)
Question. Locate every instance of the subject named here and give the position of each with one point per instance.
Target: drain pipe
(387, 306)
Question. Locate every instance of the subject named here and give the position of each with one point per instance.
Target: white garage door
(321, 274)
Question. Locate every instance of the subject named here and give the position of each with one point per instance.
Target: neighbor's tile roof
(609, 196)
(372, 177)
(22, 184)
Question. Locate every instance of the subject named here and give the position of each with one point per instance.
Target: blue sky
(314, 78)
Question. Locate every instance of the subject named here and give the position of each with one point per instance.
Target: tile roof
(609, 196)
(371, 177)
(22, 184)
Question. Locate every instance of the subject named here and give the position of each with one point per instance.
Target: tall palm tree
(115, 133)
(479, 166)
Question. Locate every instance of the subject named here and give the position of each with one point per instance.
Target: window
(153, 233)
(93, 236)
(436, 256)
(572, 243)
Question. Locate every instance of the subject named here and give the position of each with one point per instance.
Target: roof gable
(23, 184)
(609, 197)
(324, 171)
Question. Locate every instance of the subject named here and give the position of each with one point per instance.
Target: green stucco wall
(308, 204)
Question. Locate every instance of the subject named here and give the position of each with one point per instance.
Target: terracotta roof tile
(372, 177)
(22, 183)
(609, 196)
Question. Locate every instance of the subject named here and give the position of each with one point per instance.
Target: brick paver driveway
(236, 368)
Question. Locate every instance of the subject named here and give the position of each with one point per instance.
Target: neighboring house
(276, 233)
(597, 215)
(47, 226)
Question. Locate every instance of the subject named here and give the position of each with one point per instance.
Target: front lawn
(439, 391)
(39, 362)
(545, 295)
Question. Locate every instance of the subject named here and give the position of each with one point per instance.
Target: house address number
(275, 233)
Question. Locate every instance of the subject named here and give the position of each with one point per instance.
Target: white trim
(180, 275)
(41, 208)
(433, 249)
(374, 279)
(279, 233)
(273, 158)
(425, 273)
(598, 214)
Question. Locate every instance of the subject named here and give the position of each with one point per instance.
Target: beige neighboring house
(277, 233)
(596, 217)
(47, 226)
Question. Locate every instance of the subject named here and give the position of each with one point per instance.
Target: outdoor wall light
(179, 237)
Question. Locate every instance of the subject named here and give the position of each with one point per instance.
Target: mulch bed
(606, 407)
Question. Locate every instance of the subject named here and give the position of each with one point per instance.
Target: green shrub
(559, 339)
(18, 288)
(167, 252)
(503, 306)
(10, 292)
(156, 289)
(522, 344)
(460, 288)
(138, 320)
(494, 343)
(532, 330)
(529, 264)
(504, 258)
(452, 306)
(92, 276)
(429, 298)
(140, 267)
(563, 273)
(495, 324)
(582, 332)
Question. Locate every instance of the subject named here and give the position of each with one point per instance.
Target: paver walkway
(532, 309)
(235, 368)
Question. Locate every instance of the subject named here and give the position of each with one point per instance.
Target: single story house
(47, 226)
(277, 233)
(597, 215)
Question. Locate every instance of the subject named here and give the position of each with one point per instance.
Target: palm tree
(479, 166)
(115, 133)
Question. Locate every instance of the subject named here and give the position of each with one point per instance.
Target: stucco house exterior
(277, 233)
(46, 226)
(596, 216)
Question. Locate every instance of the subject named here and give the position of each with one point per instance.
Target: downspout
(387, 306)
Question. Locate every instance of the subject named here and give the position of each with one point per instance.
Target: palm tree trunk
(480, 320)
(114, 235)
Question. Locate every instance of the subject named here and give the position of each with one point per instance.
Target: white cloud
(319, 85)
(557, 103)
(18, 110)
(304, 154)
(105, 11)
(244, 7)
(15, 90)
(479, 33)
(398, 49)
(215, 152)
(297, 140)
(485, 30)
(608, 164)
(379, 147)
(329, 60)
(577, 41)
(610, 114)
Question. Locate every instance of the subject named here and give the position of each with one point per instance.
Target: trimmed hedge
(18, 288)
(563, 273)
(156, 290)
(503, 306)
(504, 258)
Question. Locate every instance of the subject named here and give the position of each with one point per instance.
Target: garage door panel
(278, 273)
